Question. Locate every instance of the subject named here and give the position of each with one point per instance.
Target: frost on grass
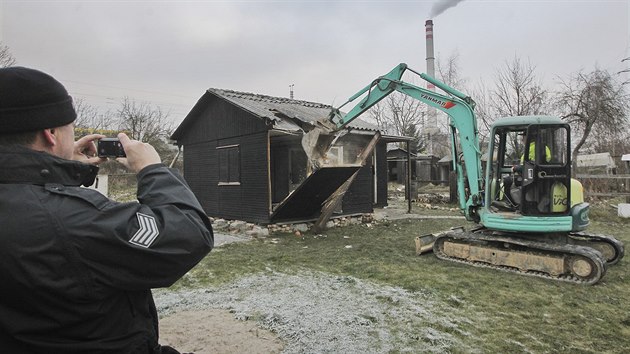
(320, 313)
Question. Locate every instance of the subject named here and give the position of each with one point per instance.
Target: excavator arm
(463, 127)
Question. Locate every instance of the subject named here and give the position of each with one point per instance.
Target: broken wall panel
(306, 201)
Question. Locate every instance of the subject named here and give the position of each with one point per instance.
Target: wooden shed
(424, 168)
(243, 159)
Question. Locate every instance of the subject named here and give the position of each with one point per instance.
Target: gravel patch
(316, 312)
(221, 239)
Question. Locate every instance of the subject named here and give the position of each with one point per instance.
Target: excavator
(530, 215)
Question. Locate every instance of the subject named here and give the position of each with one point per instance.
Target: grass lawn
(510, 313)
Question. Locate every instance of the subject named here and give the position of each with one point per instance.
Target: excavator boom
(463, 125)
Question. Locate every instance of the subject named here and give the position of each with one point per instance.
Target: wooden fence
(606, 186)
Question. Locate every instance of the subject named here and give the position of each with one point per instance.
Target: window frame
(229, 163)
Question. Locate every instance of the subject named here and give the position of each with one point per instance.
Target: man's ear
(49, 137)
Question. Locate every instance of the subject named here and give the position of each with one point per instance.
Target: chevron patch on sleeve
(148, 231)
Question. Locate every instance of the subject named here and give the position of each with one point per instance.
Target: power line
(126, 88)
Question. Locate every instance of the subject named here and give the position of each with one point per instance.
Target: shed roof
(395, 152)
(284, 113)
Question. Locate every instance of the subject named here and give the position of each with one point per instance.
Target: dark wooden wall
(221, 124)
(201, 172)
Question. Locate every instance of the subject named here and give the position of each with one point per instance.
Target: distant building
(397, 165)
(601, 163)
(424, 168)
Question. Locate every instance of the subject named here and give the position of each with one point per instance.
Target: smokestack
(430, 53)
(431, 123)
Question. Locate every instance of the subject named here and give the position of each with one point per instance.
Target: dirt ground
(306, 312)
(216, 331)
(212, 330)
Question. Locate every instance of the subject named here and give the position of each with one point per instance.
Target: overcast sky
(170, 52)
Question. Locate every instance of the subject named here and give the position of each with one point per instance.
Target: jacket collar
(23, 165)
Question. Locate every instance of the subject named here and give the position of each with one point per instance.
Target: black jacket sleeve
(135, 246)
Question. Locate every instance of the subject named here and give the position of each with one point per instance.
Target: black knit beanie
(31, 100)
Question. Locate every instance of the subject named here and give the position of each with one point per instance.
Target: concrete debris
(432, 198)
(238, 227)
(302, 227)
(219, 223)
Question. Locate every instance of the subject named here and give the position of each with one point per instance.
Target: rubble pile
(432, 198)
(238, 227)
(434, 201)
(435, 207)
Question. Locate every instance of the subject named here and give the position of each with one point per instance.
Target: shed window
(229, 164)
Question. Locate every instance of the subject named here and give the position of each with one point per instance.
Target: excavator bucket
(318, 141)
(424, 243)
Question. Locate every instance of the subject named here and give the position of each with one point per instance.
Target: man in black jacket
(77, 269)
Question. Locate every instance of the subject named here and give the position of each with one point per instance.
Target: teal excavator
(531, 214)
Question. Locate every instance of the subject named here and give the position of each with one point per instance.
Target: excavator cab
(530, 169)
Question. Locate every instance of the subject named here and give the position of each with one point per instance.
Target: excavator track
(611, 248)
(567, 262)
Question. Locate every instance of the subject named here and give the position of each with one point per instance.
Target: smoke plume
(442, 5)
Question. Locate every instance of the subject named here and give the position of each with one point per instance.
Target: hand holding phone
(139, 154)
(110, 147)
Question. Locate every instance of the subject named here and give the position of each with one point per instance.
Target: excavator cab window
(530, 170)
(506, 149)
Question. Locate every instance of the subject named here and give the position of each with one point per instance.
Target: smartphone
(110, 147)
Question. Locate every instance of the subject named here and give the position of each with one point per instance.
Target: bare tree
(89, 117)
(593, 102)
(601, 139)
(518, 91)
(6, 59)
(141, 121)
(483, 110)
(449, 72)
(402, 115)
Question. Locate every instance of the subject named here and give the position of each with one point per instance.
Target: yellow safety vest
(532, 153)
